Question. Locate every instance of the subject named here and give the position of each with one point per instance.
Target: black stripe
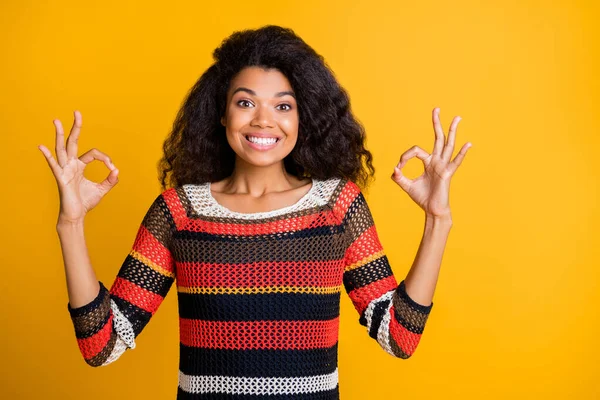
(401, 290)
(324, 395)
(357, 219)
(95, 329)
(137, 316)
(407, 324)
(324, 230)
(259, 307)
(378, 314)
(362, 320)
(366, 274)
(257, 362)
(145, 277)
(325, 243)
(159, 221)
(92, 305)
(358, 201)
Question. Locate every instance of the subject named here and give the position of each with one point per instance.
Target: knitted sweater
(258, 293)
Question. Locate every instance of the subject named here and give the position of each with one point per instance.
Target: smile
(261, 143)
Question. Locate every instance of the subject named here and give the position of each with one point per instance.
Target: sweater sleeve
(108, 325)
(391, 317)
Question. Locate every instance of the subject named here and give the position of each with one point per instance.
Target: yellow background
(516, 306)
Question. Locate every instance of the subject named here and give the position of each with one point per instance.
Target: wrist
(65, 224)
(441, 221)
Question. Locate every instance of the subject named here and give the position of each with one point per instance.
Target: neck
(259, 180)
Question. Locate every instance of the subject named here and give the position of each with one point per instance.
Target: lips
(262, 147)
(265, 137)
(262, 137)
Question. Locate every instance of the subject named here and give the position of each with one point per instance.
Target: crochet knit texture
(258, 293)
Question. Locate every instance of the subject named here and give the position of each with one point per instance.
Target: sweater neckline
(262, 214)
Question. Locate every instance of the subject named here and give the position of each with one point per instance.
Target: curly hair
(331, 141)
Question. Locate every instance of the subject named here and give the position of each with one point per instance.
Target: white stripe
(383, 334)
(371, 307)
(204, 204)
(257, 385)
(125, 334)
(122, 325)
(118, 349)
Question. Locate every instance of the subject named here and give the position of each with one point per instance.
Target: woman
(263, 224)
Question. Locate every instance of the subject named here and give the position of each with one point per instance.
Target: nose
(262, 117)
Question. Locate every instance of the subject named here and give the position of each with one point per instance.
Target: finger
(449, 148)
(74, 136)
(459, 157)
(401, 180)
(56, 169)
(61, 153)
(414, 151)
(111, 180)
(440, 139)
(95, 154)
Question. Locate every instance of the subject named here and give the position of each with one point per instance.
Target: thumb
(400, 179)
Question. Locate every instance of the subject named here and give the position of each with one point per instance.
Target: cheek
(289, 125)
(238, 120)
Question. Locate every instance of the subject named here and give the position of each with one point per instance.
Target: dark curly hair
(331, 141)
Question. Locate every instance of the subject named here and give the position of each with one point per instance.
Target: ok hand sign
(78, 195)
(431, 190)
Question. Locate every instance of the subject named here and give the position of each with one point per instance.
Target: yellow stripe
(260, 290)
(365, 260)
(138, 256)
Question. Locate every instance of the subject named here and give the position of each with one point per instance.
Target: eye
(288, 105)
(243, 101)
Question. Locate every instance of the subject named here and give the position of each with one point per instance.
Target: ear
(222, 121)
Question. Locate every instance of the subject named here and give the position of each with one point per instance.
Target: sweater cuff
(401, 290)
(92, 305)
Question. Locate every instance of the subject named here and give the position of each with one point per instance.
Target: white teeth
(261, 140)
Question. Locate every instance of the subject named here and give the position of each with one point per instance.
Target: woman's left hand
(430, 190)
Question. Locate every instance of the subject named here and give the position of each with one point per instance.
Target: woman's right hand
(78, 195)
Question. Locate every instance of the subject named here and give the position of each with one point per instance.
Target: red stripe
(261, 274)
(241, 335)
(362, 296)
(93, 345)
(363, 246)
(148, 246)
(405, 339)
(292, 224)
(176, 208)
(345, 198)
(136, 295)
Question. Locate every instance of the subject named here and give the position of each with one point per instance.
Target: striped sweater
(258, 293)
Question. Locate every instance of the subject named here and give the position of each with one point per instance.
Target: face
(260, 106)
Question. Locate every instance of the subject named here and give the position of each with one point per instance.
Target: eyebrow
(253, 93)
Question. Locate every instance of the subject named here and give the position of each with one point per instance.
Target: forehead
(264, 82)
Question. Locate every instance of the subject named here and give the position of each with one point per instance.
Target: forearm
(422, 278)
(82, 284)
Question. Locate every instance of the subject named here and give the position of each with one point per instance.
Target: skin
(431, 192)
(78, 196)
(259, 181)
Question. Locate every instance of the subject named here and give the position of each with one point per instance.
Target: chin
(262, 161)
